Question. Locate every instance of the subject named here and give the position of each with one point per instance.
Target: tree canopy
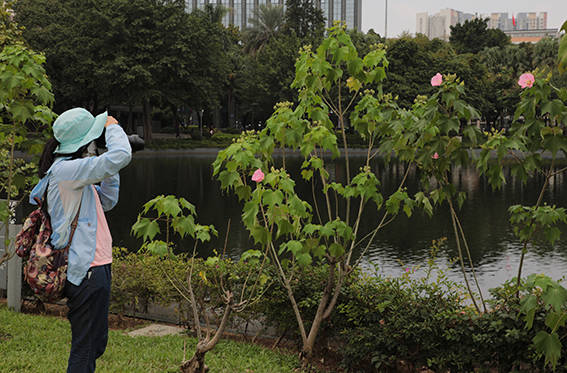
(474, 35)
(154, 54)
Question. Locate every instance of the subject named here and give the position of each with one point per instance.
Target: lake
(405, 243)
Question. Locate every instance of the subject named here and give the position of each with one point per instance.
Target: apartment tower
(240, 11)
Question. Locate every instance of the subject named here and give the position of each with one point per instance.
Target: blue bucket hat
(77, 127)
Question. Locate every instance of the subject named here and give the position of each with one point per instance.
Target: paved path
(156, 330)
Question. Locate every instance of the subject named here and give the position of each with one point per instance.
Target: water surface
(405, 243)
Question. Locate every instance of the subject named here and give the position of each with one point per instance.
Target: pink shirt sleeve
(103, 252)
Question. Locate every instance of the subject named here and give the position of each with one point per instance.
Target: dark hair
(48, 155)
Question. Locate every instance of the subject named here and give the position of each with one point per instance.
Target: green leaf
(187, 205)
(548, 345)
(304, 259)
(145, 228)
(250, 255)
(555, 320)
(212, 261)
(528, 307)
(158, 248)
(336, 250)
(555, 296)
(168, 206)
(184, 225)
(260, 234)
(327, 230)
(272, 197)
(249, 213)
(295, 247)
(423, 201)
(203, 233)
(229, 179)
(318, 251)
(311, 228)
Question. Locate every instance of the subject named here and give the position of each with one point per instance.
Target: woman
(80, 184)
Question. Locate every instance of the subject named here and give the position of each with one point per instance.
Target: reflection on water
(495, 251)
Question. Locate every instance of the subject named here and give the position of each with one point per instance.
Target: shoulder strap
(73, 227)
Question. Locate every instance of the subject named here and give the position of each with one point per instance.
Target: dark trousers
(88, 314)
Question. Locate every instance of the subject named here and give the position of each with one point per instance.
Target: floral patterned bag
(46, 268)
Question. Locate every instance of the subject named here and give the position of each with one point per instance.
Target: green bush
(386, 321)
(195, 132)
(140, 279)
(232, 130)
(379, 322)
(223, 138)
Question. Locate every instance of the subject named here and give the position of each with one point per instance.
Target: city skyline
(521, 27)
(241, 11)
(402, 15)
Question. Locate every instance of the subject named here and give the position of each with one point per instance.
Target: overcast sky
(401, 13)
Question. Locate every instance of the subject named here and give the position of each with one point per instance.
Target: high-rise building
(422, 24)
(240, 11)
(522, 27)
(521, 21)
(439, 24)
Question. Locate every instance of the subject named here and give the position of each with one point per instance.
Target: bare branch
(196, 319)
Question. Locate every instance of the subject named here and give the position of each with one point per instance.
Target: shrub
(389, 321)
(139, 279)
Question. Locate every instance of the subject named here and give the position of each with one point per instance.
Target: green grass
(30, 343)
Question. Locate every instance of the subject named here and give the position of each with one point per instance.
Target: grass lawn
(30, 343)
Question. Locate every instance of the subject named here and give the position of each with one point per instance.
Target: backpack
(46, 268)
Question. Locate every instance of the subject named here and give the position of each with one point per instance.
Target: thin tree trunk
(147, 121)
(130, 120)
(197, 363)
(322, 311)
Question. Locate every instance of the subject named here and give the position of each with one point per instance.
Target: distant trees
(304, 19)
(267, 20)
(148, 53)
(474, 35)
(134, 52)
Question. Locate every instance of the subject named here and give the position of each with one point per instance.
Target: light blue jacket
(70, 186)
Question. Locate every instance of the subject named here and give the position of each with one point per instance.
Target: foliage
(537, 128)
(265, 78)
(25, 103)
(299, 234)
(474, 35)
(304, 20)
(266, 21)
(541, 109)
(10, 32)
(24, 175)
(388, 320)
(436, 135)
(124, 353)
(140, 280)
(221, 288)
(562, 57)
(541, 293)
(147, 52)
(130, 52)
(137, 282)
(425, 324)
(420, 318)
